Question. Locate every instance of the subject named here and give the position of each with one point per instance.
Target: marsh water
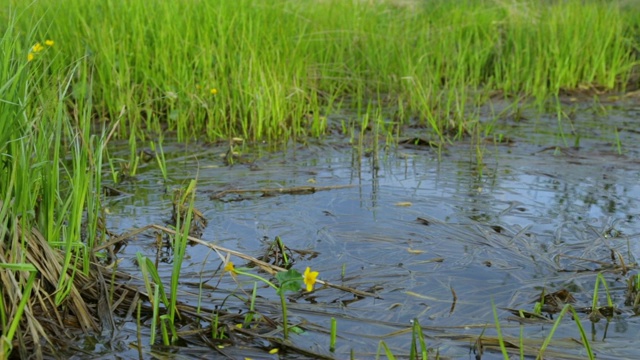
(436, 236)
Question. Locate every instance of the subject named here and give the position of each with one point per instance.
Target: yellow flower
(37, 48)
(49, 42)
(214, 91)
(30, 56)
(229, 267)
(274, 351)
(309, 278)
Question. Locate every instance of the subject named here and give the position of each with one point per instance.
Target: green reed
(180, 240)
(13, 86)
(382, 346)
(419, 348)
(333, 335)
(223, 69)
(50, 178)
(583, 335)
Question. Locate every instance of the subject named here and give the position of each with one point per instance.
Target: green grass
(50, 182)
(273, 64)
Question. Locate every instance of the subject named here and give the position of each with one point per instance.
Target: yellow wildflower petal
(274, 351)
(309, 278)
(229, 267)
(37, 48)
(30, 57)
(214, 91)
(49, 42)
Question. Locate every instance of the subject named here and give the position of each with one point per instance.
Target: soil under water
(434, 235)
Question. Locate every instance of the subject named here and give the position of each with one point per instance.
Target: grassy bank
(70, 72)
(50, 186)
(267, 70)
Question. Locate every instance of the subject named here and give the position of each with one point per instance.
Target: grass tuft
(222, 69)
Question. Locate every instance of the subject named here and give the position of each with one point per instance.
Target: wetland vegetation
(96, 95)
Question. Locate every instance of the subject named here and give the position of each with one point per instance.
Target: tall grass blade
(382, 346)
(583, 335)
(503, 348)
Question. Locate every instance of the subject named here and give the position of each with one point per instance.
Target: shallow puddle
(420, 227)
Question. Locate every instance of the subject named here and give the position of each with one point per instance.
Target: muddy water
(416, 225)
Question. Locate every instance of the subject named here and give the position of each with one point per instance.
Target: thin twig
(272, 269)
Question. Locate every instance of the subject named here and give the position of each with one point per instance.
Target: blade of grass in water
(583, 335)
(382, 346)
(503, 348)
(179, 247)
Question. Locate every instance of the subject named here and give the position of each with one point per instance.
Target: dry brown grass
(46, 326)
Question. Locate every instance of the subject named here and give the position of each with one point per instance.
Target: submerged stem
(285, 325)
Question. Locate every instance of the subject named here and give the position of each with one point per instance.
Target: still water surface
(415, 226)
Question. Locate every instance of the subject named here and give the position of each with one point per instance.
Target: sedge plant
(583, 335)
(50, 178)
(153, 283)
(595, 308)
(230, 72)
